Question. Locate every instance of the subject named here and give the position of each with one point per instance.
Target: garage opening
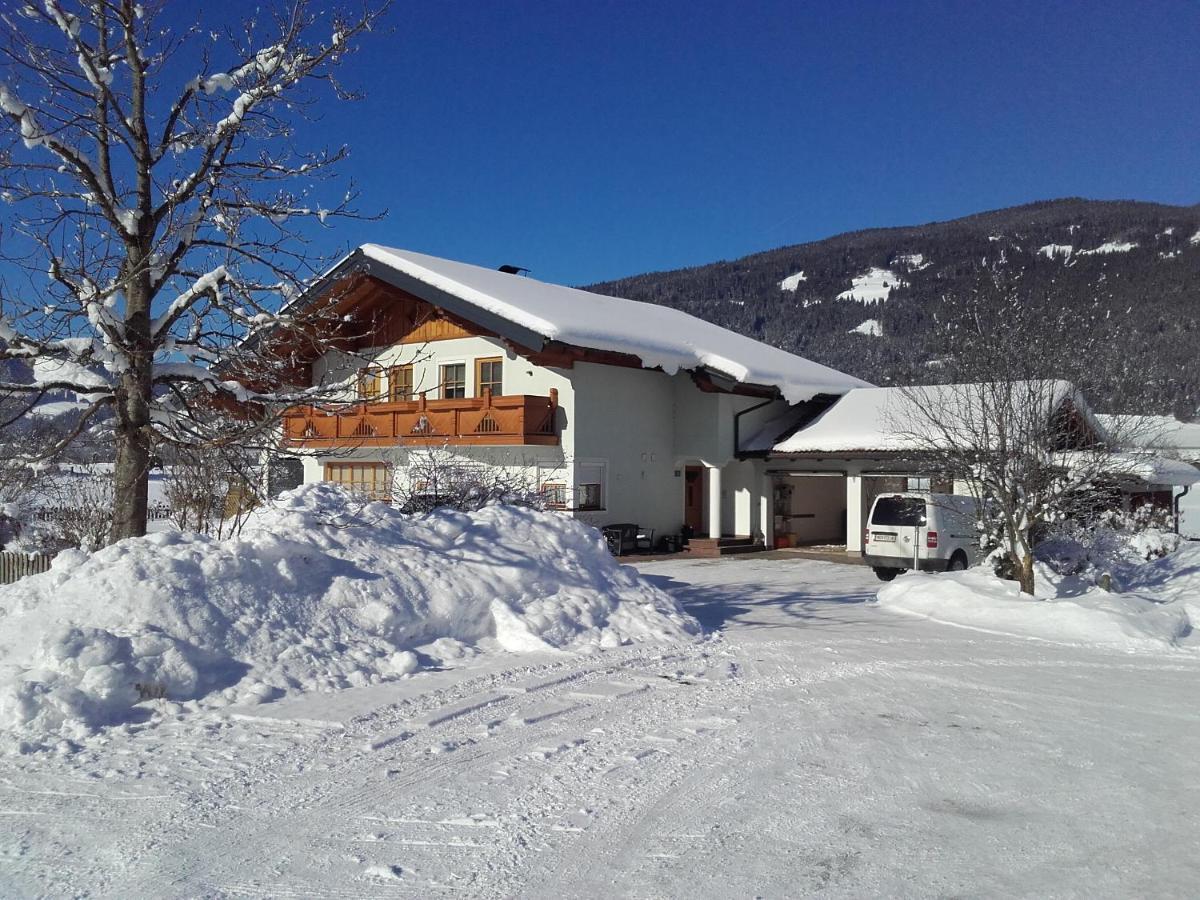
(810, 510)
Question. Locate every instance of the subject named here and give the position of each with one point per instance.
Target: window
(555, 495)
(370, 480)
(454, 381)
(906, 511)
(400, 383)
(589, 486)
(370, 384)
(488, 376)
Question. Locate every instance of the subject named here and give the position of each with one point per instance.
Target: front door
(693, 498)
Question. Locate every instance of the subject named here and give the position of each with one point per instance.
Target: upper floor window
(400, 383)
(370, 384)
(454, 381)
(488, 376)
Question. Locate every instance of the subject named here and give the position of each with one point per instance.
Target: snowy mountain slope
(1139, 261)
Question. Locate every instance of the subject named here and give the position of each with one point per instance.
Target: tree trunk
(132, 437)
(131, 483)
(1026, 573)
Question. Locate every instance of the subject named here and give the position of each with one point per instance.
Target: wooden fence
(17, 565)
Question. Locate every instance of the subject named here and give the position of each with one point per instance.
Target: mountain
(864, 302)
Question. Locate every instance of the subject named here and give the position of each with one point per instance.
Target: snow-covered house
(827, 467)
(619, 411)
(1168, 437)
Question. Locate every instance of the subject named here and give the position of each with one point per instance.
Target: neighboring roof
(1156, 432)
(891, 420)
(533, 312)
(1145, 468)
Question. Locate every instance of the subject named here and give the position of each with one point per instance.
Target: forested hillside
(867, 302)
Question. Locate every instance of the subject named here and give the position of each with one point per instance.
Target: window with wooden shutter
(370, 384)
(488, 375)
(371, 480)
(400, 383)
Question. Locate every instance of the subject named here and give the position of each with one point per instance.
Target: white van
(920, 530)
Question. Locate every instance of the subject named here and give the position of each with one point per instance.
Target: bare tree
(426, 478)
(159, 220)
(1013, 424)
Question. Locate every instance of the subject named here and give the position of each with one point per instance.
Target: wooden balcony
(480, 421)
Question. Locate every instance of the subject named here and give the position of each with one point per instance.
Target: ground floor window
(589, 486)
(554, 494)
(370, 480)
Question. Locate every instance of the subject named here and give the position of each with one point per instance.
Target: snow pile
(1154, 614)
(873, 286)
(792, 282)
(318, 593)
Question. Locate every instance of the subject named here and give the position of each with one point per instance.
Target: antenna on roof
(512, 270)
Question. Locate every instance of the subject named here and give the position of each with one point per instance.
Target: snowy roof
(890, 420)
(533, 312)
(1157, 432)
(1146, 468)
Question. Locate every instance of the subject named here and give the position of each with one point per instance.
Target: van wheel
(886, 574)
(958, 562)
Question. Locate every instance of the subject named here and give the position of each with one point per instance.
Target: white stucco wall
(624, 418)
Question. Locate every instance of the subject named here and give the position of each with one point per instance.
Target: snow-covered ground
(318, 592)
(873, 286)
(816, 743)
(870, 327)
(792, 282)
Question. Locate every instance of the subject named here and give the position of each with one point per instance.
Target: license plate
(884, 538)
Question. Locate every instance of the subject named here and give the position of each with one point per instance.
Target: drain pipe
(1186, 490)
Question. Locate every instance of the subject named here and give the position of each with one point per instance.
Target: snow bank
(1153, 615)
(318, 593)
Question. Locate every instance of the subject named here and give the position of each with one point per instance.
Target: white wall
(624, 417)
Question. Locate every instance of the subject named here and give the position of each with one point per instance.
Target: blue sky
(593, 140)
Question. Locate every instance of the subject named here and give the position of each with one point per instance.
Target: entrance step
(708, 548)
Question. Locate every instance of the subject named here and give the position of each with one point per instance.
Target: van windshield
(899, 511)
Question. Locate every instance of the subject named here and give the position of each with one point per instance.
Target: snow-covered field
(816, 743)
(873, 286)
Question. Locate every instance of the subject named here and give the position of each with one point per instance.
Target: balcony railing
(514, 419)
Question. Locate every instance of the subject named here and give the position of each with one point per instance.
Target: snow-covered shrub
(1109, 542)
(434, 478)
(319, 591)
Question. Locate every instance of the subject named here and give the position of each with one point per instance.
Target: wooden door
(693, 498)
